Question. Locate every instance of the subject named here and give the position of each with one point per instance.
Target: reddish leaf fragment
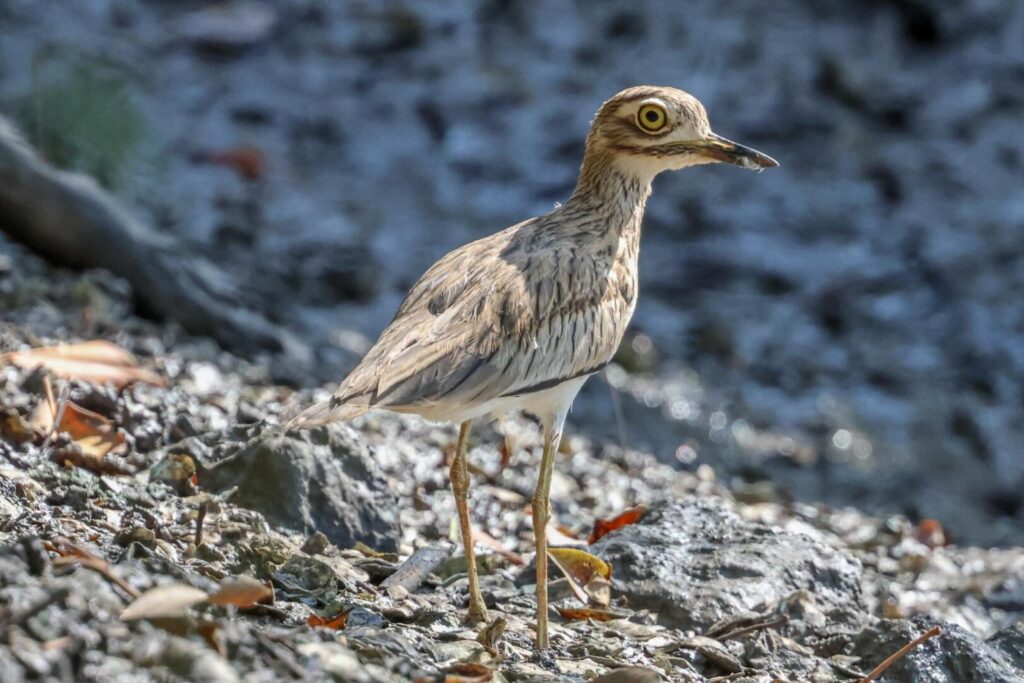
(603, 527)
(930, 533)
(336, 622)
(581, 613)
(248, 162)
(469, 672)
(94, 434)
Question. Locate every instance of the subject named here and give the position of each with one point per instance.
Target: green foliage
(83, 118)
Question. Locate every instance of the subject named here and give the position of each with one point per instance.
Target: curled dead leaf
(580, 565)
(94, 434)
(336, 622)
(603, 527)
(171, 600)
(468, 672)
(97, 361)
(240, 591)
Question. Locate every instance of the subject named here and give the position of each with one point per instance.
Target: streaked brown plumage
(518, 320)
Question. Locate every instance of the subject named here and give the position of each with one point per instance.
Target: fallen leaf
(483, 538)
(599, 590)
(468, 672)
(336, 622)
(240, 591)
(581, 613)
(930, 533)
(14, 428)
(580, 565)
(97, 361)
(93, 433)
(71, 455)
(602, 527)
(557, 535)
(210, 631)
(73, 554)
(171, 600)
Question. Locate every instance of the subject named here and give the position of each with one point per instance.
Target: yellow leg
(541, 514)
(460, 488)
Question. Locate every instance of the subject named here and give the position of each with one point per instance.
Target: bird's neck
(611, 195)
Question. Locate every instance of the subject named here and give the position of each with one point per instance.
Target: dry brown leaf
(484, 538)
(580, 565)
(97, 361)
(94, 434)
(336, 622)
(171, 600)
(602, 527)
(599, 590)
(557, 535)
(210, 631)
(468, 672)
(73, 554)
(240, 591)
(71, 456)
(14, 428)
(581, 613)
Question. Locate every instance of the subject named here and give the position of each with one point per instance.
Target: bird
(520, 319)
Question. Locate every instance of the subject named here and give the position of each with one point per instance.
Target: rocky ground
(263, 556)
(845, 330)
(848, 324)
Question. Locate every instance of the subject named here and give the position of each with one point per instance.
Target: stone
(953, 655)
(694, 562)
(325, 480)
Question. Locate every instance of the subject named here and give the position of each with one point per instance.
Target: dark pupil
(652, 116)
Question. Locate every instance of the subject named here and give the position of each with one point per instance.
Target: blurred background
(848, 327)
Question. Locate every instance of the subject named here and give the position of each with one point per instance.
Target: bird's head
(648, 129)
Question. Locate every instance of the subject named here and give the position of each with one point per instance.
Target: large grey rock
(694, 562)
(954, 655)
(324, 480)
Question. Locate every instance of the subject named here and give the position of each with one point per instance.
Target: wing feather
(475, 327)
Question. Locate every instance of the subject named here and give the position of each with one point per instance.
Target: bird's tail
(325, 413)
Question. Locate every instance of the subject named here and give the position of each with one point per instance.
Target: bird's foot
(477, 613)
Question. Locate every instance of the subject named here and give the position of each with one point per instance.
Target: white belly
(546, 404)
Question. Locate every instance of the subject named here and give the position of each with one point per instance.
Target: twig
(58, 416)
(891, 659)
(199, 522)
(72, 554)
(48, 393)
(770, 623)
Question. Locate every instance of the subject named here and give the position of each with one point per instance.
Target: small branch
(891, 659)
(72, 554)
(199, 522)
(770, 623)
(62, 406)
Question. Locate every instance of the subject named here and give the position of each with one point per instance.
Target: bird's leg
(541, 514)
(460, 488)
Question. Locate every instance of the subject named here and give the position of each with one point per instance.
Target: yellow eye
(651, 117)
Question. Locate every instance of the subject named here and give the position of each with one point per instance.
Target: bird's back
(513, 313)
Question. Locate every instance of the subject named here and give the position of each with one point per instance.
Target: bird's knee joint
(541, 511)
